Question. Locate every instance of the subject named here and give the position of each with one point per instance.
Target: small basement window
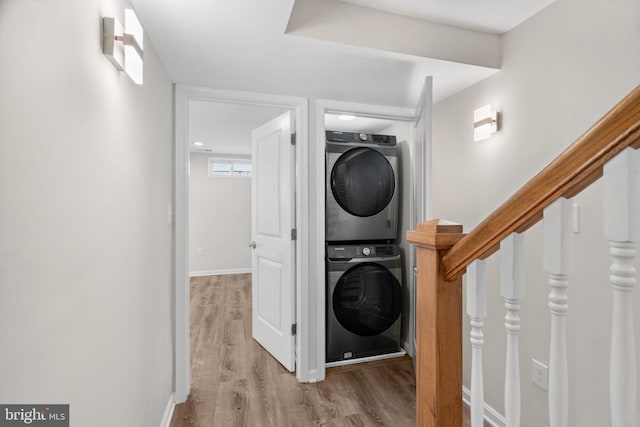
(229, 167)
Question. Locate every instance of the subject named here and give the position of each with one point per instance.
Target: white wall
(85, 247)
(219, 220)
(563, 69)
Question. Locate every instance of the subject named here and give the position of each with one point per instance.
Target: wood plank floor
(235, 382)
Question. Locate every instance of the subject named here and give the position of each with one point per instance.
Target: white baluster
(621, 223)
(512, 290)
(477, 311)
(557, 263)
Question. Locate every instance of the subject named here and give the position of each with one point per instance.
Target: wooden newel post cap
(435, 234)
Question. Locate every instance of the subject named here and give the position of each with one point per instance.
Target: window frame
(232, 161)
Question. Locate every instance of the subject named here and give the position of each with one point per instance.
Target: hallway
(237, 383)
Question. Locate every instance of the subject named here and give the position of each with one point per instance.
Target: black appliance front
(364, 301)
(361, 187)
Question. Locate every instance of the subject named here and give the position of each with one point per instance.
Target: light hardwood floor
(235, 382)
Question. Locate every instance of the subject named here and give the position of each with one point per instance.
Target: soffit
(495, 16)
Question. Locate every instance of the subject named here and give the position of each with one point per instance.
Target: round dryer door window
(367, 299)
(362, 181)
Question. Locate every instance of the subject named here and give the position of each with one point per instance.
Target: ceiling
(225, 129)
(357, 124)
(365, 51)
(251, 45)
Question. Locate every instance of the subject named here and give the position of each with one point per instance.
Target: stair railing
(609, 150)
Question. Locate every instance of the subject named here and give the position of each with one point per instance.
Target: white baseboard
(400, 353)
(491, 416)
(168, 412)
(220, 272)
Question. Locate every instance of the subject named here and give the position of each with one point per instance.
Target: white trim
(182, 96)
(407, 347)
(303, 247)
(220, 272)
(313, 375)
(355, 361)
(491, 416)
(168, 412)
(323, 106)
(181, 315)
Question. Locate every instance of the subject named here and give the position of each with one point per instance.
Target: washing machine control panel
(360, 251)
(386, 250)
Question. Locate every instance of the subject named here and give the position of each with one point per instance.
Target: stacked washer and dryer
(363, 263)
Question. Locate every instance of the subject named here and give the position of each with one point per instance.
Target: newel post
(438, 328)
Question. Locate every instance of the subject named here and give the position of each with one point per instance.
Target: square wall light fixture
(124, 46)
(485, 123)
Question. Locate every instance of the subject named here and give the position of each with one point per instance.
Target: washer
(362, 187)
(364, 300)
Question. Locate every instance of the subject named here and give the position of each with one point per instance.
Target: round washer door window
(367, 299)
(362, 181)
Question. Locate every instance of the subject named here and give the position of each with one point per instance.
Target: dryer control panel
(367, 138)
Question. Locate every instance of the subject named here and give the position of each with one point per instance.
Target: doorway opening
(220, 185)
(396, 336)
(415, 127)
(203, 247)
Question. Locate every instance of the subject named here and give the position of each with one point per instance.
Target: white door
(421, 165)
(273, 221)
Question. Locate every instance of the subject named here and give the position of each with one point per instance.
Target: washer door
(367, 299)
(362, 181)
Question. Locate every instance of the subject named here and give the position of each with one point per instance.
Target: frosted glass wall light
(485, 123)
(124, 47)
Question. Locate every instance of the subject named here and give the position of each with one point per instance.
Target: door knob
(252, 245)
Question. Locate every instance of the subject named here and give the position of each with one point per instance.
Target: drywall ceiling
(494, 16)
(225, 128)
(281, 47)
(357, 124)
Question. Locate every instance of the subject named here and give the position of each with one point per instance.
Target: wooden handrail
(572, 171)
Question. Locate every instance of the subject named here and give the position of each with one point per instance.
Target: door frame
(323, 107)
(181, 310)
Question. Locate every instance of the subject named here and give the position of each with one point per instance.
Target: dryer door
(367, 299)
(362, 181)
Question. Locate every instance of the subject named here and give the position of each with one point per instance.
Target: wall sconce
(124, 47)
(485, 123)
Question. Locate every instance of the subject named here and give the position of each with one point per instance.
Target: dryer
(364, 300)
(362, 187)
